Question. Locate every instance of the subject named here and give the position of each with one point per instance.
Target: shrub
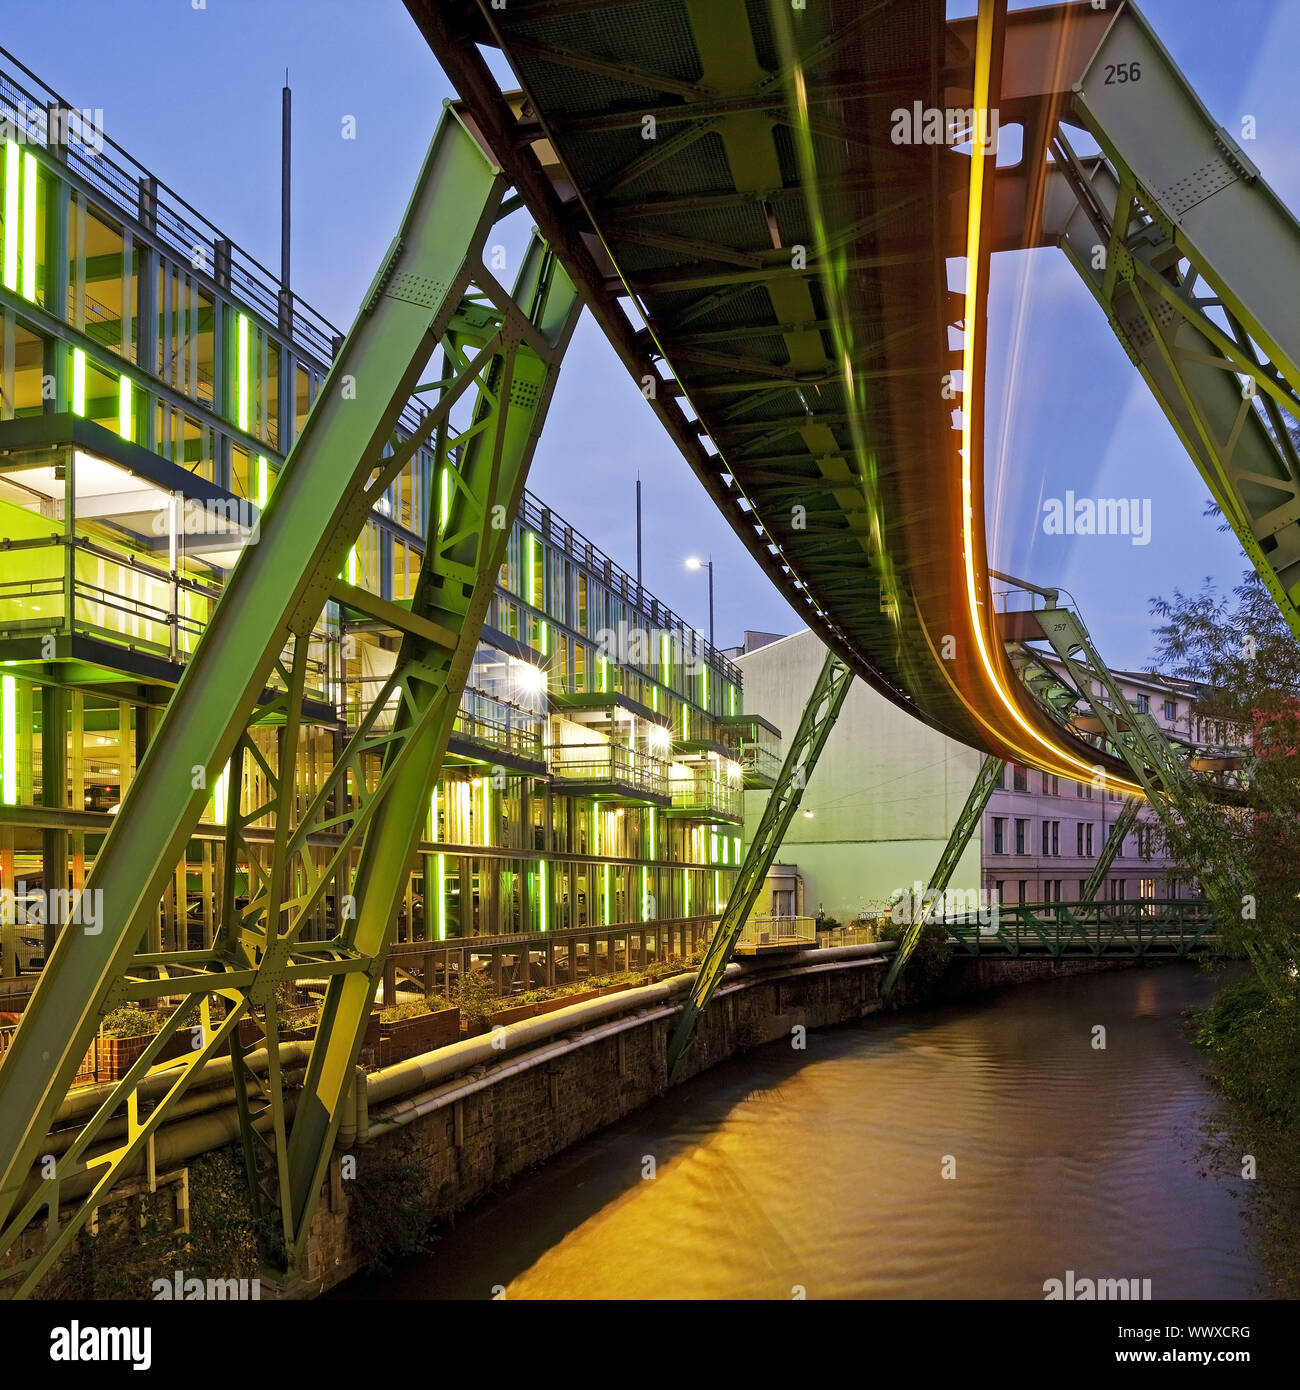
(475, 996)
(130, 1022)
(931, 954)
(391, 1204)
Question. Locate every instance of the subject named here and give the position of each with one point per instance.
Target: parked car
(30, 951)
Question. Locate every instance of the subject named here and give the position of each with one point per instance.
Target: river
(822, 1170)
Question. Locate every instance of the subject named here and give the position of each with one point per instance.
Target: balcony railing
(612, 763)
(499, 725)
(774, 933)
(121, 600)
(708, 796)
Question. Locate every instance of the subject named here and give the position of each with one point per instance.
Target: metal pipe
(286, 133)
(87, 1100)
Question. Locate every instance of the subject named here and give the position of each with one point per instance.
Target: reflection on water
(823, 1168)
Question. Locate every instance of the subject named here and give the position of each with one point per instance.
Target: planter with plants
(123, 1036)
(409, 1030)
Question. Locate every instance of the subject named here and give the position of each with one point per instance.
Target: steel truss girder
(819, 715)
(1200, 280)
(1163, 774)
(986, 782)
(1124, 822)
(431, 290)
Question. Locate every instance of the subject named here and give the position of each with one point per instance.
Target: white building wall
(884, 795)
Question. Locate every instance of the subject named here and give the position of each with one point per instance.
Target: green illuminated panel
(442, 897)
(686, 892)
(11, 216)
(645, 894)
(263, 480)
(241, 373)
(543, 896)
(29, 226)
(8, 740)
(606, 896)
(124, 407)
(78, 382)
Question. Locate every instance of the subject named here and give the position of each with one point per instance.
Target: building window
(1171, 710)
(999, 834)
(1022, 833)
(1083, 838)
(1056, 838)
(1052, 837)
(1143, 704)
(1019, 779)
(1083, 888)
(997, 888)
(1021, 888)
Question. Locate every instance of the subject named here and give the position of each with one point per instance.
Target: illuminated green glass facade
(151, 372)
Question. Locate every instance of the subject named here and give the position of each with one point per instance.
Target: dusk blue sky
(194, 94)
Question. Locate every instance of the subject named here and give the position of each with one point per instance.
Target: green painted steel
(818, 719)
(1124, 822)
(1146, 927)
(1196, 263)
(987, 779)
(432, 288)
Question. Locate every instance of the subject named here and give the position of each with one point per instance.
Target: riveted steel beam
(819, 715)
(505, 350)
(987, 779)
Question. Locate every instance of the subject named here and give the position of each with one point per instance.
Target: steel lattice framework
(500, 349)
(723, 171)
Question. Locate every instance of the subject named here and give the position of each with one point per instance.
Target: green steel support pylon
(986, 782)
(1165, 778)
(819, 716)
(1196, 263)
(1124, 822)
(503, 350)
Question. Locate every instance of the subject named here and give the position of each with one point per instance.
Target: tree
(1245, 661)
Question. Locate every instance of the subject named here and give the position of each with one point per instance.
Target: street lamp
(695, 563)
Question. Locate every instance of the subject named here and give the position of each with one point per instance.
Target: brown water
(823, 1168)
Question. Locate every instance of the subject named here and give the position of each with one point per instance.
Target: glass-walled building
(153, 378)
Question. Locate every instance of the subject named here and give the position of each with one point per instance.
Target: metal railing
(538, 517)
(608, 762)
(1140, 926)
(121, 599)
(497, 724)
(708, 796)
(771, 931)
